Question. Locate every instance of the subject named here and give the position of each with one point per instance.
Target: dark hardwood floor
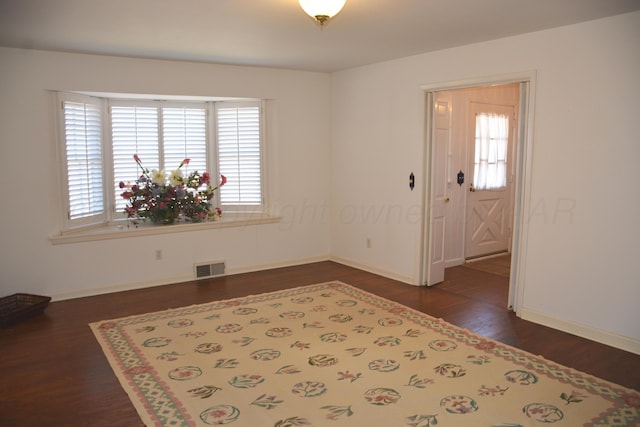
(55, 374)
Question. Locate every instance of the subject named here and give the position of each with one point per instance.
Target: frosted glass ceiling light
(322, 10)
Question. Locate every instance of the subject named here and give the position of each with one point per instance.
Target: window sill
(124, 229)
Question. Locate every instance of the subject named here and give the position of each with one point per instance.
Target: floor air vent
(209, 270)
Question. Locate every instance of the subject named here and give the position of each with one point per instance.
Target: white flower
(176, 177)
(158, 177)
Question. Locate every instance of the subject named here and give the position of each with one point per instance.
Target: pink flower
(485, 345)
(223, 180)
(631, 400)
(121, 185)
(184, 162)
(137, 370)
(136, 158)
(205, 178)
(108, 325)
(219, 413)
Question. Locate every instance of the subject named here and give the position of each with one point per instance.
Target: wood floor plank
(55, 374)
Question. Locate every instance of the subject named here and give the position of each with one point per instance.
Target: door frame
(524, 159)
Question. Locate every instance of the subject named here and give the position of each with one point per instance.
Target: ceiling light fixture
(322, 10)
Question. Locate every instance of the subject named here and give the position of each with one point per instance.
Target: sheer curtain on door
(490, 164)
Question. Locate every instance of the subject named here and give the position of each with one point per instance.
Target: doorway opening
(468, 218)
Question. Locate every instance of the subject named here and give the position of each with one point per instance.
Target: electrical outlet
(158, 254)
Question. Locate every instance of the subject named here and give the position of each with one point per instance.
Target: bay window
(100, 135)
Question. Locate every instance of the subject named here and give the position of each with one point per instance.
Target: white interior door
(489, 199)
(439, 201)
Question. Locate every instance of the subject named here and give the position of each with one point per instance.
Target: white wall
(30, 207)
(582, 270)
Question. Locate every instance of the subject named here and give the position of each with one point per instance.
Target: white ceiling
(277, 33)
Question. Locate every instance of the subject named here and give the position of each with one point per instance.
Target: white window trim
(112, 225)
(125, 230)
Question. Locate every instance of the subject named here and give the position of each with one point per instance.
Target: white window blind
(239, 154)
(161, 136)
(185, 136)
(83, 152)
(134, 130)
(490, 163)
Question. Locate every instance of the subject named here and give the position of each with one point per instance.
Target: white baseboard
(101, 290)
(279, 264)
(121, 287)
(368, 268)
(453, 262)
(585, 331)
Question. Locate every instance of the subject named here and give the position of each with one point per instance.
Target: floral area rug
(334, 355)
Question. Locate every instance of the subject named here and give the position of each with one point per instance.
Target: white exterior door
(490, 180)
(439, 201)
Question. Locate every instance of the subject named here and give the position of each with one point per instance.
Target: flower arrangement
(164, 199)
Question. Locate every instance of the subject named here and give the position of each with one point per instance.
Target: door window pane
(490, 162)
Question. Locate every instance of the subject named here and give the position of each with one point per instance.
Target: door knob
(473, 190)
(446, 200)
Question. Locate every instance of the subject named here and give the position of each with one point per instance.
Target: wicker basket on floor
(17, 307)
